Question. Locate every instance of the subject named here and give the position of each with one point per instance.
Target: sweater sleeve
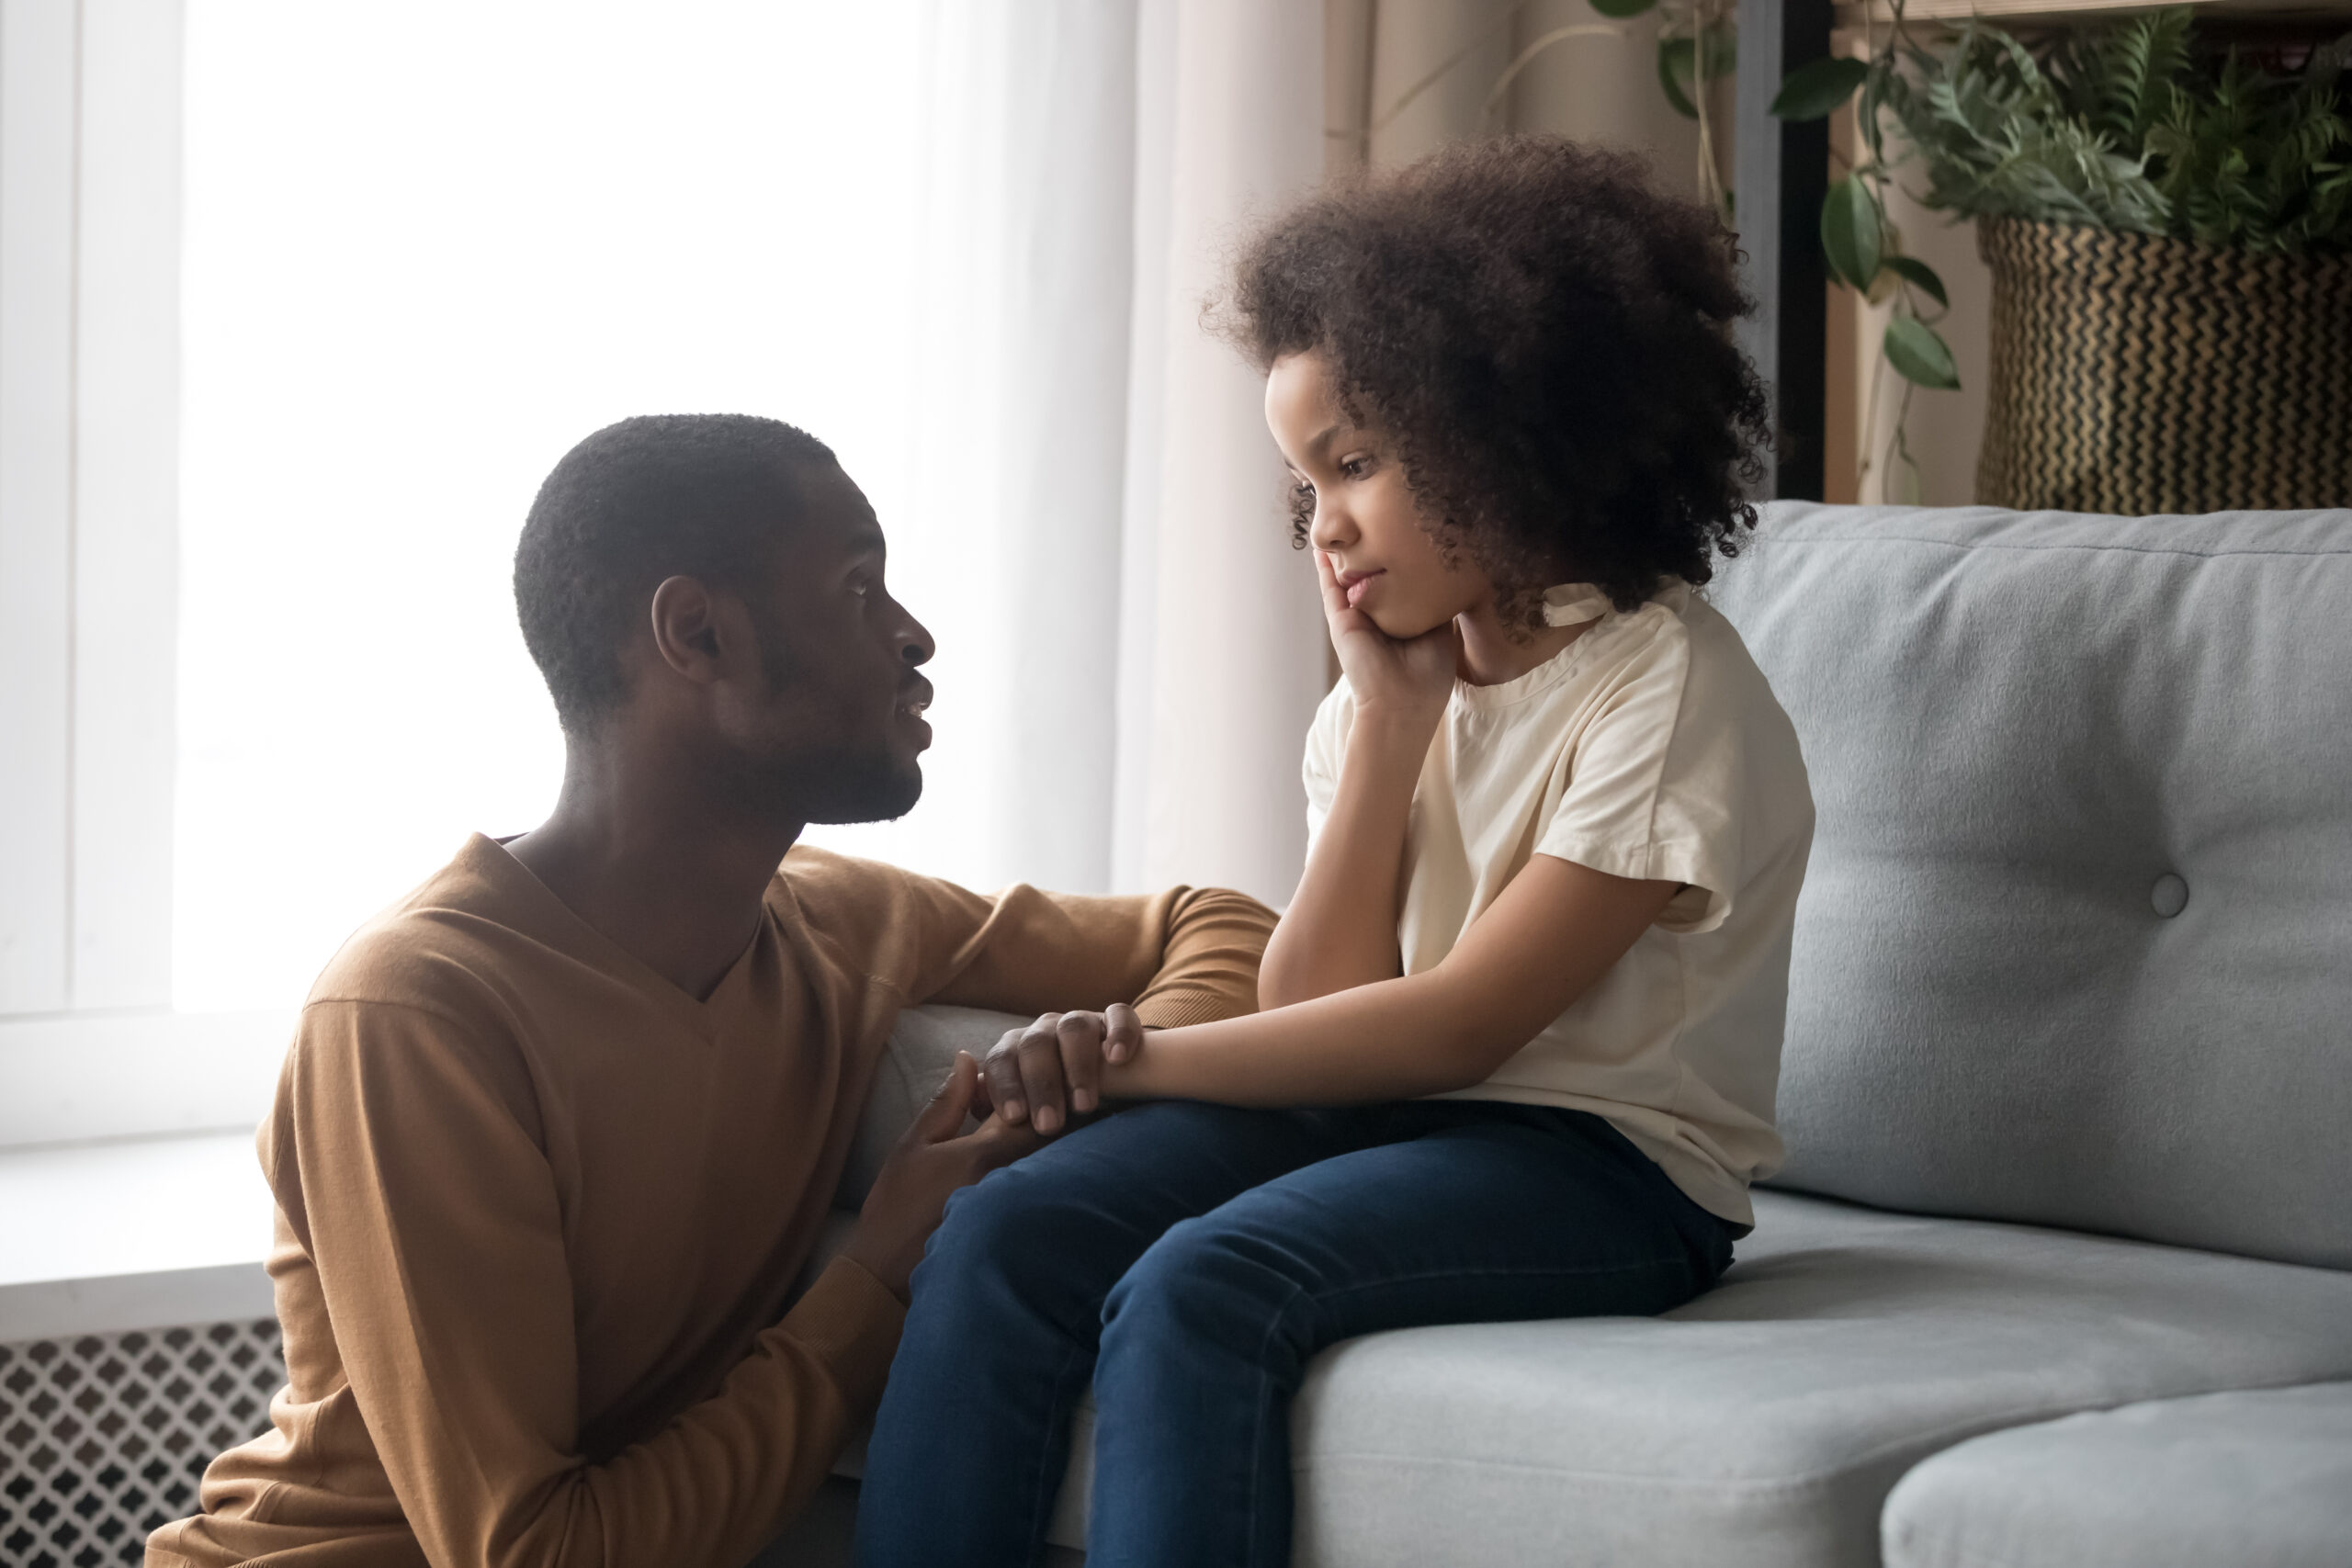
(1185, 955)
(413, 1181)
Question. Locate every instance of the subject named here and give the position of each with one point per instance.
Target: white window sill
(99, 1238)
(74, 1078)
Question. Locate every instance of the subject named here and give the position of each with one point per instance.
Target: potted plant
(2170, 236)
(2169, 230)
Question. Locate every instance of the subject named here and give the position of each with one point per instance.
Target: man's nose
(915, 640)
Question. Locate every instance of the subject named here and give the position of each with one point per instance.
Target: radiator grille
(104, 1438)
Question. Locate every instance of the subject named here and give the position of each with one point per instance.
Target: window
(427, 250)
(297, 304)
(261, 472)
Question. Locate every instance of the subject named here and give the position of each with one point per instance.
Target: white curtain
(1130, 651)
(964, 241)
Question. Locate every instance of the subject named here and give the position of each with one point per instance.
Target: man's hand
(929, 1162)
(1051, 1071)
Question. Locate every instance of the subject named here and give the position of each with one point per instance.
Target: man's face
(836, 733)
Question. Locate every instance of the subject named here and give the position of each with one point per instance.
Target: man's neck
(671, 876)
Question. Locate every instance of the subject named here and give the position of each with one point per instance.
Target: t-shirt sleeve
(1654, 784)
(1326, 738)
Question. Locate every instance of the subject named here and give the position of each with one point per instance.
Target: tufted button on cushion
(2014, 722)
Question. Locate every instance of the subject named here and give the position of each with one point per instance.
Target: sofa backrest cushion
(2075, 943)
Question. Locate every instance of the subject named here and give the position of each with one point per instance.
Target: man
(557, 1132)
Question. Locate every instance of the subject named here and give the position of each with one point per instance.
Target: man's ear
(693, 632)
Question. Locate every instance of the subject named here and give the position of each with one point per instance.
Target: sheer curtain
(1092, 468)
(966, 244)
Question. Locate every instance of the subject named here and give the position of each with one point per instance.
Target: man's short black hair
(703, 495)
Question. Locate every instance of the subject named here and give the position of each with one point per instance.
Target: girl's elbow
(1466, 1064)
(1276, 989)
(1478, 1048)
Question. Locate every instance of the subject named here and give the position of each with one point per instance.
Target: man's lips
(913, 699)
(1354, 585)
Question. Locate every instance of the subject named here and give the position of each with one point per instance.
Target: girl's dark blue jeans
(1190, 1259)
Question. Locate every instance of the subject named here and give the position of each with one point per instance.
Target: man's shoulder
(847, 896)
(436, 949)
(877, 922)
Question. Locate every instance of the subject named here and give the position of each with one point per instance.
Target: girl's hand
(1411, 678)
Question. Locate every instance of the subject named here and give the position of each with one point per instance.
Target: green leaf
(1674, 57)
(1813, 91)
(1620, 9)
(1920, 356)
(1851, 235)
(1920, 275)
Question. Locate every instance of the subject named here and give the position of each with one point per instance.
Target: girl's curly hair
(1547, 338)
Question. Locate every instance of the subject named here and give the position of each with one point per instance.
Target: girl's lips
(1356, 584)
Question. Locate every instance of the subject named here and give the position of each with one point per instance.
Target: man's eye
(861, 585)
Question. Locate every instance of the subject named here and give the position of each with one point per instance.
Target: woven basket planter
(2133, 373)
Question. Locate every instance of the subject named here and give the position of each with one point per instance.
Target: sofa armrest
(921, 1048)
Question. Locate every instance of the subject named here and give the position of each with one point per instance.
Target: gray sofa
(2060, 1269)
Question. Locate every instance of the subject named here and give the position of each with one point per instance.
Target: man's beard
(831, 786)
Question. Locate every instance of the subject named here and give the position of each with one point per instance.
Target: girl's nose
(1332, 528)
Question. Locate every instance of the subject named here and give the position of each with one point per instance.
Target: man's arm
(1187, 956)
(1209, 941)
(1183, 956)
(433, 1220)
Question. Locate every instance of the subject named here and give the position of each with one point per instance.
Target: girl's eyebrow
(1323, 438)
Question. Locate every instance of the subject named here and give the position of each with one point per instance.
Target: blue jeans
(1190, 1259)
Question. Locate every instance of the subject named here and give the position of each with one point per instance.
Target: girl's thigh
(1485, 1215)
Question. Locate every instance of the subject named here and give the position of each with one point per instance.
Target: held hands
(1052, 1070)
(929, 1162)
(1409, 677)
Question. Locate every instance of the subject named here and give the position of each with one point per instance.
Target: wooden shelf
(1851, 17)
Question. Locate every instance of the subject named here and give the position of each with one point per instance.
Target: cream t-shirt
(1651, 747)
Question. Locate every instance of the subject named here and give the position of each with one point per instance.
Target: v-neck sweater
(539, 1212)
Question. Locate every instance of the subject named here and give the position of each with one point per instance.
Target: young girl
(1522, 1024)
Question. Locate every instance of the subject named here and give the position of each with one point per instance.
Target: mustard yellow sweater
(538, 1211)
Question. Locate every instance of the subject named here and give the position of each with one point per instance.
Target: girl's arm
(1341, 929)
(1553, 932)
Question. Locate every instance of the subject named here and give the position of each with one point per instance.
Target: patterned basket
(2133, 373)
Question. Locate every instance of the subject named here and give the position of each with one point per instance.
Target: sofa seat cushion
(1762, 1424)
(2258, 1479)
(1765, 1423)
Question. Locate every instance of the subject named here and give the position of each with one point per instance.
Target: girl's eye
(1354, 467)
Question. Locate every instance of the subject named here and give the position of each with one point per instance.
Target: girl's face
(1365, 517)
